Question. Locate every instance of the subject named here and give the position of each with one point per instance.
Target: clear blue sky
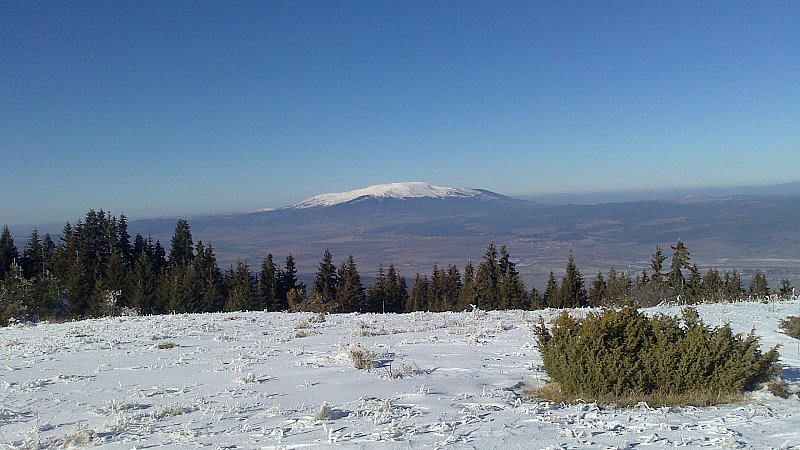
(179, 108)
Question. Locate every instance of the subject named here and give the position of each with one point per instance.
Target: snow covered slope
(278, 380)
(413, 189)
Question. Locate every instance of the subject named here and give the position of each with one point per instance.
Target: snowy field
(276, 380)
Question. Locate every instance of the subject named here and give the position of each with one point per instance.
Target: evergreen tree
(324, 289)
(469, 289)
(288, 281)
(143, 285)
(786, 289)
(396, 290)
(48, 253)
(573, 292)
(33, 257)
(8, 252)
(552, 296)
(14, 295)
(712, 287)
(418, 299)
(694, 283)
(241, 289)
(350, 293)
(123, 241)
(657, 264)
(487, 279)
(597, 293)
(536, 300)
(268, 284)
(181, 246)
(511, 293)
(79, 286)
(680, 260)
(212, 298)
(158, 257)
(618, 286)
(732, 285)
(376, 298)
(759, 287)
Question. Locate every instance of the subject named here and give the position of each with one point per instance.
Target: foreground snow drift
(290, 380)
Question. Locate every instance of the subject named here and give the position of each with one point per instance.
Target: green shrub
(623, 357)
(791, 326)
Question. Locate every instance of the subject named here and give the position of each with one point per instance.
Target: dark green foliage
(786, 290)
(8, 252)
(551, 297)
(791, 326)
(572, 293)
(33, 257)
(680, 261)
(268, 284)
(512, 290)
(143, 285)
(487, 279)
(732, 285)
(181, 246)
(241, 286)
(657, 264)
(418, 298)
(597, 293)
(759, 287)
(324, 290)
(624, 354)
(469, 289)
(350, 293)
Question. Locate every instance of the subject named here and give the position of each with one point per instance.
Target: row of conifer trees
(96, 269)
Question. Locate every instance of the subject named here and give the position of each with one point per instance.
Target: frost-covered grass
(265, 380)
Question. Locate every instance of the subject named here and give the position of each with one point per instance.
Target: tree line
(96, 269)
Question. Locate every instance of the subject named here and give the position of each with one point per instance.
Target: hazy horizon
(159, 109)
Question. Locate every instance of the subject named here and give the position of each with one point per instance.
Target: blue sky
(181, 108)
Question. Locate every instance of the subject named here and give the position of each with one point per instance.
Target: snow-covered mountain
(408, 190)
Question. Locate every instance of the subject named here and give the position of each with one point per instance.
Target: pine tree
(33, 257)
(8, 252)
(597, 293)
(418, 299)
(212, 298)
(487, 279)
(241, 289)
(573, 293)
(786, 289)
(618, 286)
(552, 297)
(537, 302)
(712, 287)
(14, 295)
(469, 288)
(657, 264)
(123, 241)
(48, 253)
(326, 282)
(181, 246)
(680, 260)
(143, 284)
(732, 285)
(350, 293)
(759, 288)
(511, 293)
(268, 284)
(79, 286)
(376, 298)
(396, 290)
(288, 281)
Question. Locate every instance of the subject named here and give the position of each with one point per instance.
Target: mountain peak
(414, 189)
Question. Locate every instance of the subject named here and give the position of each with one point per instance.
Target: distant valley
(415, 225)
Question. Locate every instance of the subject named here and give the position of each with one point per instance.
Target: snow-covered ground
(264, 380)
